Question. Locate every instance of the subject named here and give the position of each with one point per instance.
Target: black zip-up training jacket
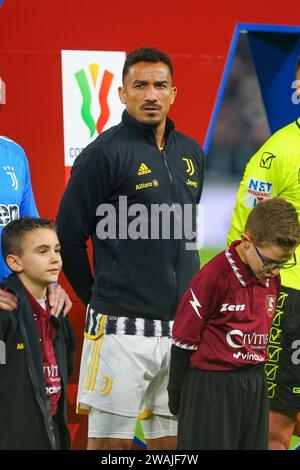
(25, 414)
(142, 278)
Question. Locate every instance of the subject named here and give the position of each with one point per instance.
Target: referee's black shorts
(283, 366)
(224, 410)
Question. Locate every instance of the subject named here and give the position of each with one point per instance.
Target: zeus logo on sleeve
(257, 191)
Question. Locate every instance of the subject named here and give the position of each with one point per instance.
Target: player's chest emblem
(10, 171)
(271, 302)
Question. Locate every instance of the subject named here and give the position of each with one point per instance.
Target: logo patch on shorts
(106, 389)
(257, 191)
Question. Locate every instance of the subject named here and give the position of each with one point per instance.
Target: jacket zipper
(49, 426)
(176, 240)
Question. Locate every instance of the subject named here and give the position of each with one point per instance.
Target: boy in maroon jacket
(217, 383)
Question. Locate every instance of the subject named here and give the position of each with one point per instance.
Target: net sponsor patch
(257, 191)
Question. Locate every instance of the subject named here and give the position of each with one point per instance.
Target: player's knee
(279, 441)
(96, 443)
(163, 443)
(120, 444)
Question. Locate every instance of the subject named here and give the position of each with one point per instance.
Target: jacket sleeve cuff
(180, 359)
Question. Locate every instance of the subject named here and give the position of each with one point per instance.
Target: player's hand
(8, 301)
(59, 300)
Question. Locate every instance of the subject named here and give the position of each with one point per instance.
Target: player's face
(265, 261)
(39, 261)
(148, 92)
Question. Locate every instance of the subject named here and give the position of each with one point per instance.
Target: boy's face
(40, 261)
(260, 258)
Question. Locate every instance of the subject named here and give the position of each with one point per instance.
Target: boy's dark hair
(146, 54)
(13, 233)
(274, 221)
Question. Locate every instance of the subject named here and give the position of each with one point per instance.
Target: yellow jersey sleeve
(274, 171)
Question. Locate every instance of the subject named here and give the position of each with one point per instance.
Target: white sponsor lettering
(52, 390)
(51, 371)
(233, 308)
(248, 356)
(230, 341)
(255, 340)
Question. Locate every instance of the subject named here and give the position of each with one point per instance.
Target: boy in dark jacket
(37, 348)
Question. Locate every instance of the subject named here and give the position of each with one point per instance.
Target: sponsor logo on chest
(8, 212)
(237, 339)
(150, 184)
(257, 191)
(232, 308)
(192, 183)
(143, 170)
(10, 171)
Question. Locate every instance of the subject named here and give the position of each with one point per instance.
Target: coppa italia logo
(85, 90)
(90, 81)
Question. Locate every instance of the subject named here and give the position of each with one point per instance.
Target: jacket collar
(147, 131)
(13, 283)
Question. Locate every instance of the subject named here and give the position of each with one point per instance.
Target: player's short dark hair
(146, 54)
(14, 232)
(274, 221)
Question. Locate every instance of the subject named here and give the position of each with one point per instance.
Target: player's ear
(14, 263)
(122, 94)
(246, 240)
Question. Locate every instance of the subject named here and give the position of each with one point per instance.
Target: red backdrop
(196, 35)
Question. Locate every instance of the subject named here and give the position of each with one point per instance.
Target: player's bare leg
(281, 428)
